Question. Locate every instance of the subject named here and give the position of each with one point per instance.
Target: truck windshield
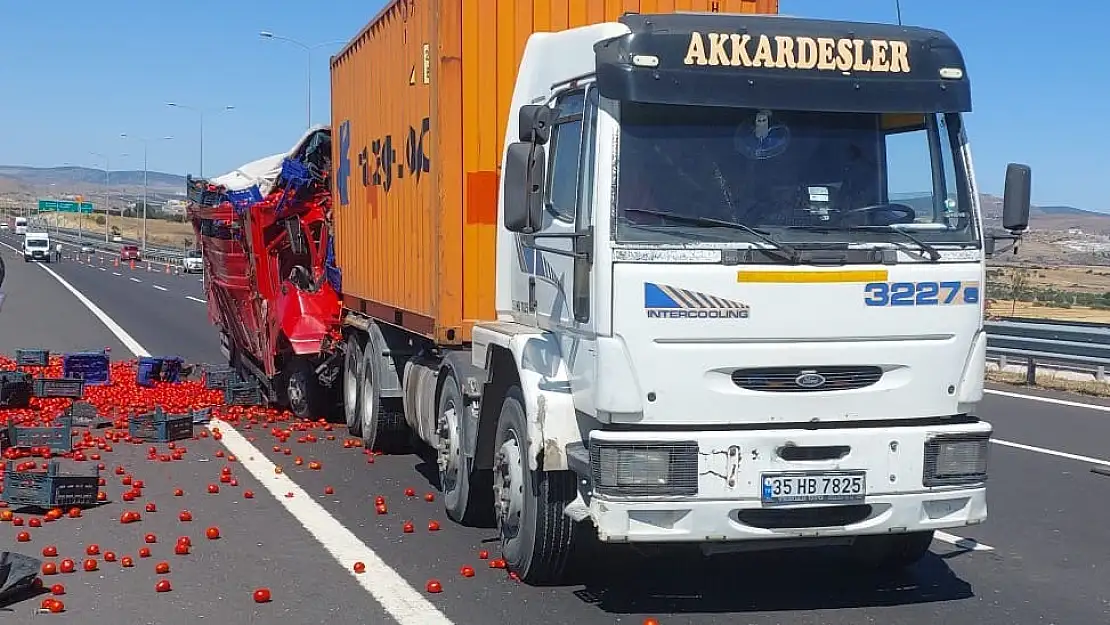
(798, 177)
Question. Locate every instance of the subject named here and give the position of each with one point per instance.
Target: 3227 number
(920, 293)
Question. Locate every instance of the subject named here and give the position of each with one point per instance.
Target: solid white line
(128, 341)
(1050, 452)
(399, 599)
(1048, 400)
(136, 280)
(160, 288)
(963, 543)
(196, 299)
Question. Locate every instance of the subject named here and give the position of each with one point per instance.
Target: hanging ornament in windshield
(762, 138)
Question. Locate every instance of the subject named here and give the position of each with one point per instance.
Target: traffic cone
(116, 263)
(132, 265)
(148, 267)
(167, 269)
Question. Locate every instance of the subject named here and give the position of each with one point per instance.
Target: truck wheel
(892, 551)
(462, 504)
(536, 536)
(303, 392)
(352, 383)
(383, 424)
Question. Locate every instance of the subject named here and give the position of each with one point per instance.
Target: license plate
(815, 486)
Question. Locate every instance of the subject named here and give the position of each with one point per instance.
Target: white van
(21, 225)
(36, 246)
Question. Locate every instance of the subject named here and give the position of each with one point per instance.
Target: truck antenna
(898, 10)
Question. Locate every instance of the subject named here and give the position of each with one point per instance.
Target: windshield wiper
(784, 250)
(930, 251)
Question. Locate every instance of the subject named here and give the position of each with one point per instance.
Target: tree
(1019, 282)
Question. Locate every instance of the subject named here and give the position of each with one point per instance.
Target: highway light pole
(146, 171)
(308, 51)
(200, 112)
(107, 191)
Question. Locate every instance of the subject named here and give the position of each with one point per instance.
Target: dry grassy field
(159, 232)
(1026, 309)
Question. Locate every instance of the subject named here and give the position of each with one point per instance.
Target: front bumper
(728, 506)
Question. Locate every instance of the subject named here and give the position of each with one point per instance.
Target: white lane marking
(963, 543)
(128, 341)
(196, 299)
(1048, 400)
(160, 288)
(399, 599)
(103, 269)
(115, 273)
(1050, 452)
(136, 280)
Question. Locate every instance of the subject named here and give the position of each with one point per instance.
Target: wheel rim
(448, 450)
(509, 489)
(297, 393)
(350, 385)
(368, 405)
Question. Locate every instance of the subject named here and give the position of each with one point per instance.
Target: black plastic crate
(49, 488)
(93, 367)
(83, 414)
(58, 387)
(32, 357)
(160, 426)
(15, 389)
(58, 438)
(218, 377)
(246, 393)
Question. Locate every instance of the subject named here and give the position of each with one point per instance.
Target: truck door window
(565, 151)
(932, 191)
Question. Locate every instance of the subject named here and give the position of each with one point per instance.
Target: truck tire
(892, 551)
(303, 393)
(352, 383)
(536, 536)
(382, 420)
(456, 472)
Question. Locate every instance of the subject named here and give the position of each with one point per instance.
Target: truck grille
(806, 379)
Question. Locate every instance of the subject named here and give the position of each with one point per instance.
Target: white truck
(740, 264)
(36, 246)
(20, 225)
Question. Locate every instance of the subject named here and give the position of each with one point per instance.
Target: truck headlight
(953, 459)
(644, 468)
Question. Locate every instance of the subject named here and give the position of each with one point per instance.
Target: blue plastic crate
(160, 426)
(219, 376)
(32, 357)
(59, 387)
(154, 369)
(295, 173)
(49, 488)
(93, 367)
(245, 393)
(243, 199)
(58, 438)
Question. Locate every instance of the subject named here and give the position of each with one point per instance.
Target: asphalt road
(1042, 555)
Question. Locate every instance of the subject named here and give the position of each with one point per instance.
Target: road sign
(65, 206)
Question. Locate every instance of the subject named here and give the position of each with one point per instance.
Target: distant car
(192, 262)
(4, 226)
(116, 238)
(129, 252)
(87, 249)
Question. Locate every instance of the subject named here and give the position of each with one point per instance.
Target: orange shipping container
(420, 100)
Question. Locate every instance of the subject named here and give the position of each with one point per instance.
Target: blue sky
(75, 74)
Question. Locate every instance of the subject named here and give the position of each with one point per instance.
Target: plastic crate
(92, 367)
(57, 437)
(32, 357)
(153, 369)
(15, 389)
(246, 393)
(58, 387)
(218, 377)
(84, 414)
(243, 199)
(49, 488)
(160, 426)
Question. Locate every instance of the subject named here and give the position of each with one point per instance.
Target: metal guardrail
(1049, 343)
(156, 254)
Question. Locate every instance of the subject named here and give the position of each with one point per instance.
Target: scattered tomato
(433, 586)
(212, 533)
(163, 585)
(262, 595)
(467, 571)
(360, 567)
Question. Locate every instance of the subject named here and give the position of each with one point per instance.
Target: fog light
(644, 469)
(956, 459)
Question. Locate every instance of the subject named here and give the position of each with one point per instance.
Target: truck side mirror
(523, 180)
(534, 124)
(1016, 197)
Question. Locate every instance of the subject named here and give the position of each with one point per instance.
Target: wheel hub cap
(508, 487)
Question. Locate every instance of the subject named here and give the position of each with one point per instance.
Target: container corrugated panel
(420, 100)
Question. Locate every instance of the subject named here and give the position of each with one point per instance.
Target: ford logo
(810, 379)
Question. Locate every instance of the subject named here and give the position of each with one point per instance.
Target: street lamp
(146, 148)
(308, 50)
(200, 112)
(107, 183)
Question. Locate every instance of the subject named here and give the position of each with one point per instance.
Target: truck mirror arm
(583, 243)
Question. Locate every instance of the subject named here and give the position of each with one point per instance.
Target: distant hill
(39, 177)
